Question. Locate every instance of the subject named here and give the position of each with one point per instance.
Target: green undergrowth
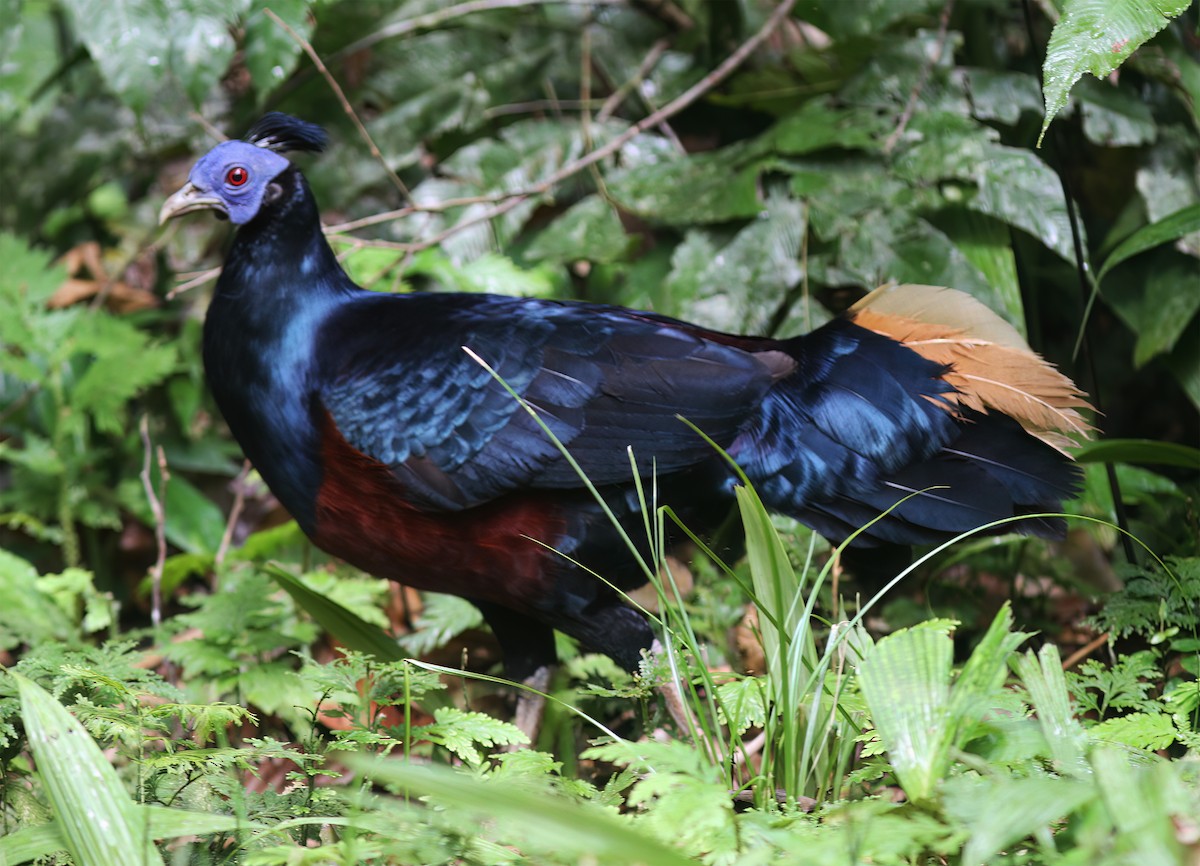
(844, 749)
(1006, 701)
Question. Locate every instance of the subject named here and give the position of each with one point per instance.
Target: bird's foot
(677, 707)
(531, 705)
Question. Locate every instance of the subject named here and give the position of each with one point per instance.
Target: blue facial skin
(212, 175)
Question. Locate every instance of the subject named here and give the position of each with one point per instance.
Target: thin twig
(1085, 651)
(340, 94)
(239, 501)
(506, 201)
(634, 85)
(585, 87)
(678, 104)
(618, 96)
(441, 16)
(671, 14)
(160, 518)
(195, 282)
(926, 71)
(212, 130)
(536, 105)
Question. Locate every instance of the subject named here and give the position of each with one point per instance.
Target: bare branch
(911, 107)
(618, 96)
(160, 518)
(506, 201)
(678, 104)
(441, 16)
(195, 282)
(239, 501)
(346, 106)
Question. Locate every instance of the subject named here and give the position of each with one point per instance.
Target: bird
(423, 436)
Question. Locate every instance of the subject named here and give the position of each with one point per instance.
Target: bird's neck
(282, 257)
(280, 283)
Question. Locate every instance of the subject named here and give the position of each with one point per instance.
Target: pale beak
(189, 198)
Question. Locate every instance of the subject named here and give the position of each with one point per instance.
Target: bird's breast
(490, 552)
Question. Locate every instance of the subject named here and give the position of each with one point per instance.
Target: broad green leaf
(891, 245)
(1178, 224)
(1142, 801)
(864, 17)
(817, 126)
(269, 51)
(1097, 36)
(976, 686)
(30, 843)
(1167, 180)
(731, 287)
(28, 54)
(702, 188)
(1115, 116)
(136, 42)
(490, 272)
(576, 831)
(1167, 309)
(444, 81)
(43, 840)
(589, 231)
(1184, 362)
(987, 245)
(100, 825)
(1139, 451)
(906, 682)
(1016, 187)
(1043, 677)
(28, 615)
(1010, 184)
(745, 702)
(1002, 96)
(999, 812)
(349, 628)
(194, 523)
(1159, 307)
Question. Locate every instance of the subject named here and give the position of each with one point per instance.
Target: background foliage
(857, 143)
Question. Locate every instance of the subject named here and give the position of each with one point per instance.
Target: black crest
(281, 133)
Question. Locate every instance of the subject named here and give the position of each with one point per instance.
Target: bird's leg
(677, 707)
(529, 655)
(531, 704)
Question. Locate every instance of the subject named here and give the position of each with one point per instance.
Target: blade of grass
(554, 823)
(98, 821)
(45, 839)
(30, 843)
(348, 627)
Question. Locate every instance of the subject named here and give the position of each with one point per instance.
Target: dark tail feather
(865, 426)
(992, 471)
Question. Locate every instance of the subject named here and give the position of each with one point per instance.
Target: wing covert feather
(404, 392)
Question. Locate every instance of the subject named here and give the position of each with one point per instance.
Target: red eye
(237, 176)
